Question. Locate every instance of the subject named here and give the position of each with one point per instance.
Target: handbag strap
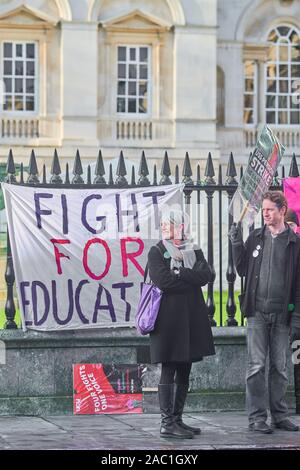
(147, 267)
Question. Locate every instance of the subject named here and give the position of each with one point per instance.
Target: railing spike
(121, 171)
(209, 172)
(231, 171)
(10, 169)
(220, 179)
(187, 170)
(133, 176)
(165, 170)
(89, 175)
(55, 170)
(77, 170)
(67, 178)
(44, 179)
(143, 171)
(99, 170)
(32, 169)
(176, 174)
(198, 175)
(155, 175)
(294, 171)
(110, 177)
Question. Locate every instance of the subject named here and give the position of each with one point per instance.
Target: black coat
(182, 330)
(249, 266)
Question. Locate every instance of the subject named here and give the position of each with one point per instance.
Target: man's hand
(235, 234)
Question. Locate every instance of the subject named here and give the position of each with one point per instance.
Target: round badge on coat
(167, 255)
(255, 254)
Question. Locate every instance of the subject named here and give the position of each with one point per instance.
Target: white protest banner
(258, 176)
(79, 254)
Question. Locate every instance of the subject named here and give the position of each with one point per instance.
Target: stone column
(195, 87)
(79, 62)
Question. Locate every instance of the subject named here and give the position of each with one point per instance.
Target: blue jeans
(266, 335)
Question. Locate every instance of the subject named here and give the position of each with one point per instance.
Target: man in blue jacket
(270, 262)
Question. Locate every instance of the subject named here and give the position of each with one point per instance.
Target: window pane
(19, 50)
(132, 53)
(248, 101)
(7, 85)
(283, 70)
(7, 49)
(295, 101)
(270, 117)
(29, 85)
(143, 88)
(283, 53)
(295, 71)
(121, 105)
(248, 116)
(143, 54)
(121, 88)
(19, 103)
(132, 71)
(19, 85)
(131, 88)
(273, 36)
(249, 68)
(293, 37)
(271, 101)
(283, 30)
(271, 86)
(282, 101)
(29, 103)
(283, 86)
(282, 117)
(121, 70)
(295, 117)
(30, 51)
(273, 53)
(249, 84)
(143, 71)
(295, 54)
(271, 70)
(18, 67)
(142, 105)
(30, 68)
(7, 67)
(122, 54)
(132, 105)
(7, 105)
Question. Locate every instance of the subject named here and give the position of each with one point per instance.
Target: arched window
(282, 76)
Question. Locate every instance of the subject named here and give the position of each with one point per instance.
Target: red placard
(107, 388)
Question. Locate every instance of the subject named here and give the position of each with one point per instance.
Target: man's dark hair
(278, 197)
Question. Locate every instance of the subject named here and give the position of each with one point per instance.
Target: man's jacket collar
(292, 236)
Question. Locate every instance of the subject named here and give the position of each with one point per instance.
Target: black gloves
(235, 234)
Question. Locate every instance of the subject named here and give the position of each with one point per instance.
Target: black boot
(179, 401)
(297, 387)
(169, 429)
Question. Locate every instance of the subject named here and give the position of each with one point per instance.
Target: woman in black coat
(182, 333)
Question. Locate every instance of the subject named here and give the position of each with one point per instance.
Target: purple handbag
(148, 306)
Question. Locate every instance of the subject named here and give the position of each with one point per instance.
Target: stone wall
(37, 376)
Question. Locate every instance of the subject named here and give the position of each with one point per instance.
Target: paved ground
(132, 432)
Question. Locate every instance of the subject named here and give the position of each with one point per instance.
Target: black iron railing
(207, 187)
